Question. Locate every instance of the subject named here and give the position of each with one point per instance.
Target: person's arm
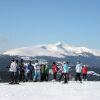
(10, 67)
(76, 67)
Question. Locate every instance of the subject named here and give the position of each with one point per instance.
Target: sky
(32, 22)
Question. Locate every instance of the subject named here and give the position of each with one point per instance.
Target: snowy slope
(54, 50)
(50, 91)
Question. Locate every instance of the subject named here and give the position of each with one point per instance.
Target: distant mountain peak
(54, 50)
(58, 44)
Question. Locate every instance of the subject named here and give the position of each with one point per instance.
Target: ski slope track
(50, 91)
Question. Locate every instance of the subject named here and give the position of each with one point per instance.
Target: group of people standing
(40, 72)
(81, 70)
(64, 71)
(19, 71)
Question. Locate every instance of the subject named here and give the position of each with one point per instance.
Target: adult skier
(13, 70)
(78, 69)
(37, 76)
(54, 69)
(84, 72)
(65, 71)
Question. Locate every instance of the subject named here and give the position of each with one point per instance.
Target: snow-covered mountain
(54, 50)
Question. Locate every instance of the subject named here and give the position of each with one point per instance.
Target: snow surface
(54, 50)
(50, 91)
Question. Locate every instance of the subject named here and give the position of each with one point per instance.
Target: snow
(54, 50)
(50, 91)
(93, 73)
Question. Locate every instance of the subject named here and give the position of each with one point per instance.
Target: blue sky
(32, 22)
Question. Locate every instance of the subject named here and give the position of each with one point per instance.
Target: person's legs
(15, 77)
(61, 76)
(31, 77)
(65, 74)
(79, 77)
(85, 76)
(35, 77)
(76, 76)
(38, 76)
(47, 77)
(23, 76)
(41, 76)
(68, 76)
(55, 74)
(28, 76)
(12, 77)
(20, 76)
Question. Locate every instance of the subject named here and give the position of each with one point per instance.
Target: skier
(13, 70)
(84, 72)
(46, 72)
(42, 69)
(22, 71)
(31, 68)
(78, 69)
(27, 72)
(37, 75)
(17, 73)
(65, 71)
(54, 69)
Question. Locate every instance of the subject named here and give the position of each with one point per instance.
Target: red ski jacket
(84, 70)
(54, 68)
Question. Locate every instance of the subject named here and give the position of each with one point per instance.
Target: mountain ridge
(59, 50)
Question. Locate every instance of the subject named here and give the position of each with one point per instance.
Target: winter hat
(64, 62)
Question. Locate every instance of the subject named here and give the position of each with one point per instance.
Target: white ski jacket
(78, 68)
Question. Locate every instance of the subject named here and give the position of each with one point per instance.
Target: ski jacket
(61, 69)
(65, 68)
(13, 67)
(46, 69)
(22, 67)
(42, 69)
(84, 70)
(17, 68)
(27, 70)
(30, 67)
(37, 67)
(78, 68)
(54, 68)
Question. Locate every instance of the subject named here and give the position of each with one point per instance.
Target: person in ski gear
(42, 69)
(46, 72)
(13, 70)
(27, 72)
(37, 75)
(65, 71)
(54, 69)
(22, 71)
(30, 68)
(78, 69)
(17, 73)
(84, 72)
